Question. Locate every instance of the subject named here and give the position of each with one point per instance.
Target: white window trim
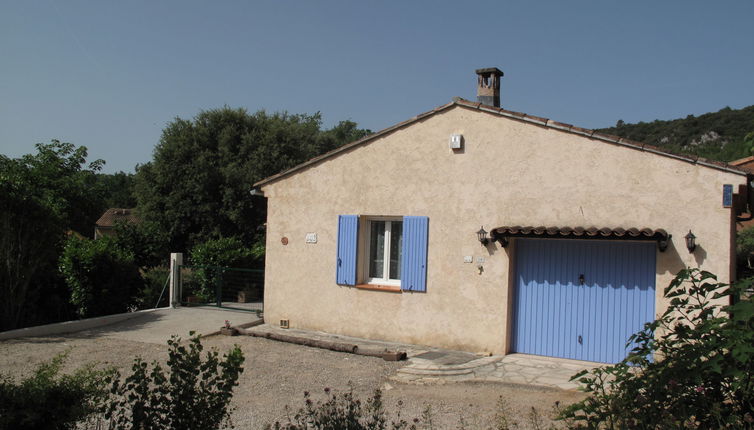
(367, 235)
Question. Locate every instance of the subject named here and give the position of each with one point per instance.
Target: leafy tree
(116, 190)
(101, 276)
(146, 241)
(197, 186)
(195, 394)
(42, 196)
(692, 368)
(49, 400)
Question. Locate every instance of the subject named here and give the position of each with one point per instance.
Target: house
(476, 228)
(746, 164)
(105, 225)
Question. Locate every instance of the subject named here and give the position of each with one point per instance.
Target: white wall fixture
(456, 141)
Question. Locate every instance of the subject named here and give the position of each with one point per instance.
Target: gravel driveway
(277, 374)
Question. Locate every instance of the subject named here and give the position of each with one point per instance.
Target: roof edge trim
(531, 119)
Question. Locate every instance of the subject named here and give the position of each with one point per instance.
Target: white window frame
(367, 235)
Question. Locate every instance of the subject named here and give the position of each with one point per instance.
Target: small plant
(50, 400)
(691, 368)
(345, 412)
(227, 324)
(195, 393)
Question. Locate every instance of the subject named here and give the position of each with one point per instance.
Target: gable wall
(509, 173)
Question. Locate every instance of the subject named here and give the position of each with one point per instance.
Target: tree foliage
(42, 196)
(145, 241)
(101, 276)
(692, 368)
(194, 394)
(116, 190)
(718, 135)
(197, 186)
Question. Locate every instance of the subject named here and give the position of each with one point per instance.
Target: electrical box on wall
(456, 141)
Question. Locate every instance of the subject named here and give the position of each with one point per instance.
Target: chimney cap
(489, 70)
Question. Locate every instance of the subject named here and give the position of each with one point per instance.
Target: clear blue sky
(110, 74)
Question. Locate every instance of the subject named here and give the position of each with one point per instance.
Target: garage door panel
(556, 315)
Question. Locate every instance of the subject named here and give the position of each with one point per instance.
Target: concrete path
(427, 365)
(157, 326)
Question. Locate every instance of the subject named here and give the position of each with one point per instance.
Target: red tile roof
(113, 215)
(659, 235)
(746, 164)
(545, 122)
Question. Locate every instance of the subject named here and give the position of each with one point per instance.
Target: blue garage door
(581, 299)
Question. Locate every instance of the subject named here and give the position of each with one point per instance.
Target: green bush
(101, 276)
(48, 400)
(210, 257)
(691, 368)
(155, 280)
(744, 247)
(345, 412)
(223, 252)
(194, 394)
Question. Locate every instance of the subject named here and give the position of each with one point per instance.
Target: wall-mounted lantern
(690, 241)
(482, 236)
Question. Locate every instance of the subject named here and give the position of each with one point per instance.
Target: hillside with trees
(725, 135)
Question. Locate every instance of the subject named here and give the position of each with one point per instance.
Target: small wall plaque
(284, 240)
(311, 237)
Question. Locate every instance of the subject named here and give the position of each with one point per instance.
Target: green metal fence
(223, 287)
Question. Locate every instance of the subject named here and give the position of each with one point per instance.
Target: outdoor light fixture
(482, 236)
(691, 241)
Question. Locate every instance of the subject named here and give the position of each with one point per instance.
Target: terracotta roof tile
(113, 215)
(580, 232)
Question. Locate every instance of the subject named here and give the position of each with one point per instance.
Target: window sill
(379, 287)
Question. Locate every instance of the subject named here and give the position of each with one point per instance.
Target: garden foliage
(194, 393)
(691, 368)
(343, 412)
(210, 257)
(101, 276)
(49, 400)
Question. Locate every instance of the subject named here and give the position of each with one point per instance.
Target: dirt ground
(277, 374)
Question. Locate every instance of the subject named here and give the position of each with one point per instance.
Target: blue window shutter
(414, 253)
(348, 243)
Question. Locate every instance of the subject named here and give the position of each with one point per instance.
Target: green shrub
(48, 400)
(101, 276)
(223, 252)
(210, 257)
(744, 247)
(345, 412)
(194, 394)
(691, 368)
(155, 280)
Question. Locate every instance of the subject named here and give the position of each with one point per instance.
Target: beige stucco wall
(509, 173)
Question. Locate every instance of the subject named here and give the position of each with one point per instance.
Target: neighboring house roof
(746, 164)
(113, 215)
(544, 122)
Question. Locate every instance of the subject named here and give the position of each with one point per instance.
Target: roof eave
(531, 119)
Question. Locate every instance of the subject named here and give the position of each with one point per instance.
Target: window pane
(396, 244)
(377, 249)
